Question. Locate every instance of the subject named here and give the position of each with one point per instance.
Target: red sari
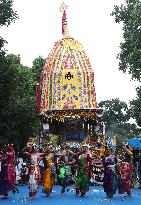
(125, 176)
(7, 174)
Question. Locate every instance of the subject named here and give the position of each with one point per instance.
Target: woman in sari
(65, 172)
(49, 174)
(125, 173)
(7, 174)
(110, 173)
(34, 170)
(83, 172)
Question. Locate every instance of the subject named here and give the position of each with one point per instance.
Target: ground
(95, 196)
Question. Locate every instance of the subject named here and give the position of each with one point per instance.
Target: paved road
(95, 196)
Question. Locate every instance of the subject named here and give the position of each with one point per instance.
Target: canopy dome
(67, 80)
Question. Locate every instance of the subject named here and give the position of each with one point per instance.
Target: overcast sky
(89, 21)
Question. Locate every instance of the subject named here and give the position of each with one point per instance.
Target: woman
(34, 170)
(65, 172)
(125, 173)
(49, 173)
(139, 168)
(7, 174)
(83, 172)
(110, 173)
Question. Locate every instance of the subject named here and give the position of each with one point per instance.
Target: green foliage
(18, 119)
(127, 130)
(115, 111)
(2, 50)
(37, 68)
(136, 107)
(129, 15)
(116, 117)
(7, 14)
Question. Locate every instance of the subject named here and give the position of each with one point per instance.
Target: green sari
(65, 177)
(83, 180)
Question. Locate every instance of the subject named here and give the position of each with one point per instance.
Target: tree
(7, 16)
(18, 119)
(116, 117)
(136, 107)
(129, 15)
(115, 111)
(37, 67)
(130, 55)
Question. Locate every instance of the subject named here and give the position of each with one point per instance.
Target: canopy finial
(65, 31)
(63, 7)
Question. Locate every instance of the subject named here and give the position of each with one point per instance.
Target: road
(95, 196)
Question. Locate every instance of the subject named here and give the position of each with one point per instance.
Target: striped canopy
(67, 80)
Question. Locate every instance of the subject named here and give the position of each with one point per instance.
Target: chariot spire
(65, 30)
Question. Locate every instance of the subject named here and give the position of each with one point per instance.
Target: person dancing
(34, 171)
(49, 173)
(7, 174)
(65, 172)
(83, 172)
(125, 173)
(110, 173)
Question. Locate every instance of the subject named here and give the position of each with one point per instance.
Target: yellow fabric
(69, 96)
(47, 180)
(102, 151)
(115, 139)
(48, 160)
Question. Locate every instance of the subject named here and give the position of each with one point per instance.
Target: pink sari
(7, 174)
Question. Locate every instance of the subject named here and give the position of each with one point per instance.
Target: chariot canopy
(66, 88)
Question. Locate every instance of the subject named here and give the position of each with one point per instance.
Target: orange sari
(48, 179)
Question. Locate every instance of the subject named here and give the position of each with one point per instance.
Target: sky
(89, 21)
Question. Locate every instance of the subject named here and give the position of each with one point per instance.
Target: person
(83, 172)
(34, 170)
(139, 168)
(7, 174)
(97, 170)
(23, 174)
(49, 173)
(110, 184)
(19, 163)
(125, 172)
(65, 172)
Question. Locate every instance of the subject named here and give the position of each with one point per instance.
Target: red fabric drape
(64, 18)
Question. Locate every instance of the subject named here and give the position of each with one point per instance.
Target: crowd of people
(114, 168)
